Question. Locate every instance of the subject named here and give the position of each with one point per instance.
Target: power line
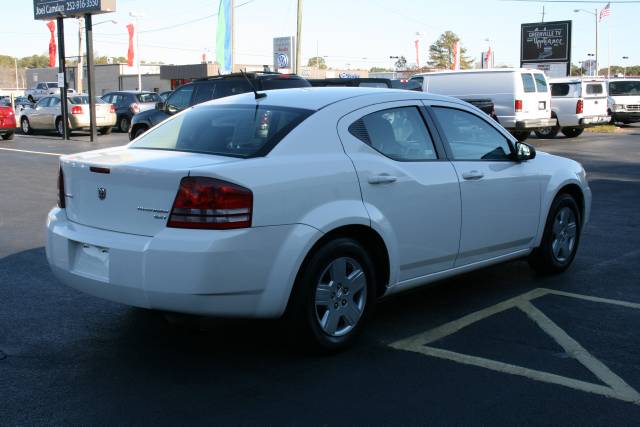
(575, 1)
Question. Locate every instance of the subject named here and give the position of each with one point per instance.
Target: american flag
(606, 11)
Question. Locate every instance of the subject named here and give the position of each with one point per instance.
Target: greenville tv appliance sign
(546, 42)
(47, 9)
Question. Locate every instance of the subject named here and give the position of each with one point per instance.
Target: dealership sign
(284, 57)
(48, 9)
(546, 42)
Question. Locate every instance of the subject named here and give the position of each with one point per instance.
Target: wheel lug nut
(344, 302)
(335, 305)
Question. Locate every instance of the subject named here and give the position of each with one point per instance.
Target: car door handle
(382, 179)
(472, 175)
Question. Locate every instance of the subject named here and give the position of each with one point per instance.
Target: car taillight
(580, 107)
(76, 109)
(209, 203)
(61, 196)
(112, 108)
(135, 108)
(518, 105)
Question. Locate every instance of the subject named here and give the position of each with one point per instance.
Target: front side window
(541, 82)
(225, 130)
(54, 102)
(527, 82)
(398, 133)
(148, 97)
(44, 102)
(470, 137)
(181, 98)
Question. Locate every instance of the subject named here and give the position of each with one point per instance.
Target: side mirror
(524, 152)
(160, 106)
(170, 109)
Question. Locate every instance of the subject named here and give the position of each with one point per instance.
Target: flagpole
(233, 34)
(597, 25)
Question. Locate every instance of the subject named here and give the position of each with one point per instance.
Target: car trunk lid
(127, 190)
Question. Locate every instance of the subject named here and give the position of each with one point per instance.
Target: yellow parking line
(616, 387)
(31, 152)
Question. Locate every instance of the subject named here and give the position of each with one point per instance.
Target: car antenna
(257, 94)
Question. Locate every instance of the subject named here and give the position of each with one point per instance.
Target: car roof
(479, 71)
(575, 80)
(317, 98)
(628, 79)
(133, 92)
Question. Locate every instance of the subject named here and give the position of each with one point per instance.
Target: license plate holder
(90, 260)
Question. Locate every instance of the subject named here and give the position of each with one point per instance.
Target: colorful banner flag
(224, 53)
(52, 44)
(417, 43)
(606, 11)
(456, 56)
(487, 59)
(131, 52)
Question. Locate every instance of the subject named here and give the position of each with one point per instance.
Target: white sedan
(312, 203)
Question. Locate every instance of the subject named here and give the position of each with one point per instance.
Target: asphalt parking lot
(500, 346)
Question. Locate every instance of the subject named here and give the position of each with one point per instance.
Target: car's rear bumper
(234, 273)
(83, 122)
(594, 120)
(7, 130)
(531, 124)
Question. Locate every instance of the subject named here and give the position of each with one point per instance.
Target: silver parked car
(47, 115)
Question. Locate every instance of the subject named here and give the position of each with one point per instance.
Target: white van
(521, 97)
(624, 100)
(577, 103)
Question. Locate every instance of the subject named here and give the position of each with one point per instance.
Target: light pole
(624, 73)
(595, 14)
(592, 55)
(17, 83)
(137, 16)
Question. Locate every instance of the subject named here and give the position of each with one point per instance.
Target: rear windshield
(595, 89)
(283, 83)
(5, 102)
(529, 85)
(51, 85)
(83, 100)
(624, 88)
(225, 130)
(148, 97)
(541, 83)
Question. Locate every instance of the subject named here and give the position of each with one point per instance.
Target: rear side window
(148, 97)
(181, 98)
(230, 130)
(560, 89)
(219, 89)
(594, 89)
(283, 83)
(398, 133)
(541, 83)
(527, 82)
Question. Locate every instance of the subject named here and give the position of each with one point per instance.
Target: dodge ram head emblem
(102, 193)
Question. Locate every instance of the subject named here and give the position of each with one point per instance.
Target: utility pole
(299, 38)
(233, 34)
(91, 82)
(80, 70)
(543, 13)
(17, 82)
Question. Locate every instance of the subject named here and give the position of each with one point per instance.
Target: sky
(349, 33)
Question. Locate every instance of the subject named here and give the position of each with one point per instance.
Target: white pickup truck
(45, 89)
(577, 103)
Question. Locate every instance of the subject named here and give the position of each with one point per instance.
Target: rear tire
(60, 127)
(334, 294)
(123, 124)
(8, 136)
(561, 237)
(572, 132)
(26, 126)
(521, 135)
(548, 133)
(105, 130)
(139, 131)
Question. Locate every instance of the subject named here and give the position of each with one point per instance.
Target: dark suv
(130, 103)
(204, 90)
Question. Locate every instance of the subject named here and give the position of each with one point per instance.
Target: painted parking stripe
(615, 387)
(31, 152)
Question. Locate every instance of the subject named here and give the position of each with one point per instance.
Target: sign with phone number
(47, 9)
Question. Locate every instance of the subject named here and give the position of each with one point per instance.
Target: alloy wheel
(565, 232)
(25, 126)
(340, 297)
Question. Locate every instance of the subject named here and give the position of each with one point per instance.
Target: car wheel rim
(340, 297)
(60, 128)
(25, 126)
(124, 124)
(545, 131)
(565, 233)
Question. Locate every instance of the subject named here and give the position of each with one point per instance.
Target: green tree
(441, 53)
(34, 61)
(317, 61)
(379, 70)
(401, 63)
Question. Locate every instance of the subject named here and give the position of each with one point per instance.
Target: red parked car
(7, 119)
